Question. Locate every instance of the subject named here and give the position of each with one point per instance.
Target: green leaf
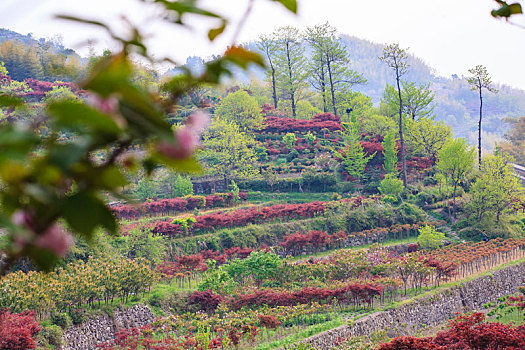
(182, 7)
(289, 4)
(65, 155)
(242, 57)
(83, 211)
(110, 75)
(10, 101)
(515, 9)
(188, 165)
(15, 143)
(75, 114)
(111, 178)
(215, 32)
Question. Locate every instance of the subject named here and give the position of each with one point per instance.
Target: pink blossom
(21, 218)
(107, 105)
(186, 137)
(199, 121)
(55, 240)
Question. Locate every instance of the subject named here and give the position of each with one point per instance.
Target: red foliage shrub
(358, 294)
(410, 343)
(318, 122)
(18, 330)
(469, 332)
(207, 300)
(242, 217)
(268, 321)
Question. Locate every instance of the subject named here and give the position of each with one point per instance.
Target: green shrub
(292, 155)
(471, 234)
(78, 316)
(429, 237)
(391, 185)
(51, 335)
(63, 320)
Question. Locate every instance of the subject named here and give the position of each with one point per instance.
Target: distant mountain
(53, 44)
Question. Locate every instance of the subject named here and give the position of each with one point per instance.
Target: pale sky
(450, 35)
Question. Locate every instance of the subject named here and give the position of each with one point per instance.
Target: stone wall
(430, 310)
(103, 328)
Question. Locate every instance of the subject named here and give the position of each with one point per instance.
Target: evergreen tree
(390, 152)
(353, 155)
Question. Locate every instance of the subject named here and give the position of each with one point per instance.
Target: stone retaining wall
(103, 328)
(429, 310)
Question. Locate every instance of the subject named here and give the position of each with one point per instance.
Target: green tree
(391, 185)
(146, 189)
(235, 191)
(60, 94)
(427, 137)
(390, 152)
(396, 58)
(229, 152)
(289, 140)
(479, 79)
(330, 64)
(417, 100)
(3, 69)
(290, 64)
(240, 108)
(141, 243)
(515, 140)
(21, 61)
(496, 189)
(455, 160)
(429, 237)
(268, 45)
(258, 267)
(180, 186)
(353, 155)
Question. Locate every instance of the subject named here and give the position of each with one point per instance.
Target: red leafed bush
(242, 217)
(356, 293)
(166, 206)
(318, 122)
(268, 321)
(207, 300)
(371, 147)
(18, 330)
(411, 343)
(468, 332)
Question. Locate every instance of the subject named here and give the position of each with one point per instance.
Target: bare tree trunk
(274, 90)
(331, 85)
(401, 138)
(291, 90)
(479, 126)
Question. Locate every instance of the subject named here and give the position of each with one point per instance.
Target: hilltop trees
(268, 46)
(396, 58)
(417, 100)
(330, 65)
(479, 80)
(290, 64)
